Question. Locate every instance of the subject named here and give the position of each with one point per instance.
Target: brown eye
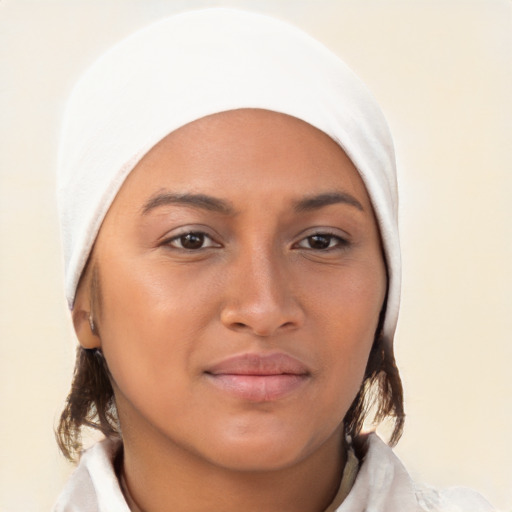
(192, 241)
(319, 241)
(322, 241)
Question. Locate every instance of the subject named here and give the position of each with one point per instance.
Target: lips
(259, 377)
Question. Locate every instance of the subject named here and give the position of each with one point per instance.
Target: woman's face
(240, 281)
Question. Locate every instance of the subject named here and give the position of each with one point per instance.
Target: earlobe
(85, 329)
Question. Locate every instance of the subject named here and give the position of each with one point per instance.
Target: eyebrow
(319, 201)
(217, 205)
(202, 201)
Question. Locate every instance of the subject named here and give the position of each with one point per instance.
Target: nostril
(262, 319)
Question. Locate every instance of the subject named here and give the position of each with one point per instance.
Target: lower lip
(258, 388)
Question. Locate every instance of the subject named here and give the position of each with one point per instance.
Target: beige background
(442, 70)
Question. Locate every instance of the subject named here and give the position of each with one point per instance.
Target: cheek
(345, 318)
(347, 301)
(144, 295)
(151, 320)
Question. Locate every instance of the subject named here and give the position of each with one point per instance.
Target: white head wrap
(199, 63)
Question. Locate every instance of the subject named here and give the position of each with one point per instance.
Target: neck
(162, 476)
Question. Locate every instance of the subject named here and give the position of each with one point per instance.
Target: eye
(322, 242)
(192, 241)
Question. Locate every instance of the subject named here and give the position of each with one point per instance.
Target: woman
(228, 202)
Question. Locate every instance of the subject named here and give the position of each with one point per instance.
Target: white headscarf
(199, 63)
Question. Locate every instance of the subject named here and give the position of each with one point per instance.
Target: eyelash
(200, 236)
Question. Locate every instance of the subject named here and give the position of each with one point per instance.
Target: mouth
(259, 377)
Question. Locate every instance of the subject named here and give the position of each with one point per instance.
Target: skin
(292, 264)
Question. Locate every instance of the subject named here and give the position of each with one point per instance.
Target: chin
(248, 457)
(263, 451)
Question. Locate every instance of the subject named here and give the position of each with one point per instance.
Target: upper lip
(277, 363)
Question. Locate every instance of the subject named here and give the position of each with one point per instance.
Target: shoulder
(453, 499)
(93, 486)
(384, 484)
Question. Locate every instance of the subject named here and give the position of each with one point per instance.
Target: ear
(83, 320)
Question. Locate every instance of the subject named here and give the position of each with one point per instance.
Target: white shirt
(382, 485)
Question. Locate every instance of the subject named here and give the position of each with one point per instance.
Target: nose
(260, 296)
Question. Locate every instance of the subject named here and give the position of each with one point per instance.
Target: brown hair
(91, 401)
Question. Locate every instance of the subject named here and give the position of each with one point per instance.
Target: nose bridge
(260, 297)
(263, 274)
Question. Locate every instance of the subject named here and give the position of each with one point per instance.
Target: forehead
(243, 152)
